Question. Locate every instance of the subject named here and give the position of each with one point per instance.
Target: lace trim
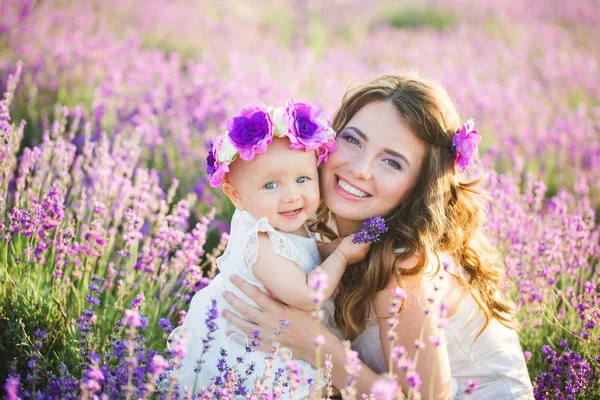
(281, 245)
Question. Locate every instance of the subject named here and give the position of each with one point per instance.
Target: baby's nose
(291, 195)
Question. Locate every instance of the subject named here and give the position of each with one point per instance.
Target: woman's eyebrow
(366, 139)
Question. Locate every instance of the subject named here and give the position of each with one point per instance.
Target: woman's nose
(360, 167)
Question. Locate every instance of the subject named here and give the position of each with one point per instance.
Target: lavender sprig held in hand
(371, 231)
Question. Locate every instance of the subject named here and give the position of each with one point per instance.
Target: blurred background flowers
(109, 225)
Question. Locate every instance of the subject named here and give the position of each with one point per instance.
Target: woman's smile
(349, 191)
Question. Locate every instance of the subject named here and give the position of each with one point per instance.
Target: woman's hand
(298, 337)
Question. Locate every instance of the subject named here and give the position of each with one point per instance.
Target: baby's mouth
(291, 213)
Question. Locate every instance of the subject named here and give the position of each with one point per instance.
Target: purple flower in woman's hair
(371, 231)
(465, 143)
(251, 131)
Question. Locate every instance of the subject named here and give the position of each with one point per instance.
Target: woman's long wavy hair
(441, 213)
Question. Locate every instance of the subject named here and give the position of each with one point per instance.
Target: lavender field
(108, 225)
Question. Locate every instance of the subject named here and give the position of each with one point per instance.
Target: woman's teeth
(351, 189)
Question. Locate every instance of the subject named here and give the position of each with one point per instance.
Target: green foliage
(27, 304)
(317, 35)
(420, 16)
(280, 22)
(576, 98)
(186, 49)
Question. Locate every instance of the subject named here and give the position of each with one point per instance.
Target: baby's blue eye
(270, 185)
(302, 179)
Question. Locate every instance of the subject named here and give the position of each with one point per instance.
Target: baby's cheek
(314, 200)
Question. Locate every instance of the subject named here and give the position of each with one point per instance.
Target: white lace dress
(495, 360)
(238, 258)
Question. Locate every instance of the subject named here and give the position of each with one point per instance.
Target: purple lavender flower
(132, 318)
(11, 386)
(166, 325)
(371, 231)
(135, 304)
(567, 376)
(414, 379)
(385, 389)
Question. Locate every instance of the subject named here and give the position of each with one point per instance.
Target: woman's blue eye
(270, 185)
(302, 179)
(393, 164)
(351, 139)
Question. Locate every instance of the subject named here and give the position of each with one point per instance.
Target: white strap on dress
(281, 244)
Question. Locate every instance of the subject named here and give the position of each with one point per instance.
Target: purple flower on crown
(251, 131)
(465, 142)
(216, 170)
(307, 128)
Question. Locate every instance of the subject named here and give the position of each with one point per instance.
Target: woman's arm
(414, 329)
(298, 337)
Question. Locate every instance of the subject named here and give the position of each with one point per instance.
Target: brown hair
(441, 213)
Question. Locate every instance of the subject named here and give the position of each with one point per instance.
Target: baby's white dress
(238, 258)
(494, 359)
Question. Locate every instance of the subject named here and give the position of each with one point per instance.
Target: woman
(401, 150)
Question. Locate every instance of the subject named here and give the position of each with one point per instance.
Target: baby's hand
(325, 249)
(352, 251)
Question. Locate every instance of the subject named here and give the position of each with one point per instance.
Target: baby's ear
(233, 194)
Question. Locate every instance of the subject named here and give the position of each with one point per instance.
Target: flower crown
(464, 145)
(250, 132)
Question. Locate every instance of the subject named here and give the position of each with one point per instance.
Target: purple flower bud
(371, 231)
(132, 318)
(385, 389)
(414, 379)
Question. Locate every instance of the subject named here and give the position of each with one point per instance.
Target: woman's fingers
(260, 298)
(263, 345)
(250, 313)
(245, 326)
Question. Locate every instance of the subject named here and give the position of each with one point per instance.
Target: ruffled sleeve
(281, 244)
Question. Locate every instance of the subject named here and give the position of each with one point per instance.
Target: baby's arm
(325, 249)
(289, 283)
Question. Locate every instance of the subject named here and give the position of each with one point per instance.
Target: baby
(266, 163)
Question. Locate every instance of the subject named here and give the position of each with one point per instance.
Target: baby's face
(281, 184)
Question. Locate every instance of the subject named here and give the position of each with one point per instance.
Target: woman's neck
(344, 227)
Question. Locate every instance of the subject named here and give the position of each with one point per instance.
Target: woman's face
(375, 166)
